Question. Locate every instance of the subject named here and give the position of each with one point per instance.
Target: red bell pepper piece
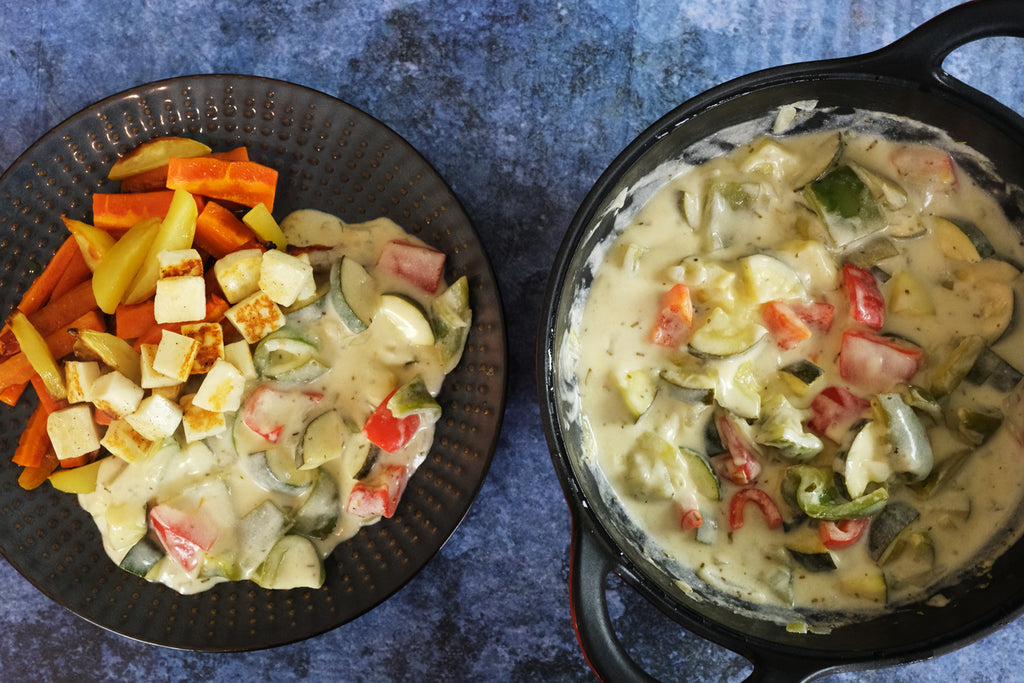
(785, 326)
(388, 432)
(875, 362)
(420, 266)
(816, 314)
(924, 164)
(739, 465)
(690, 519)
(764, 502)
(379, 496)
(867, 305)
(674, 319)
(834, 411)
(266, 407)
(842, 533)
(184, 536)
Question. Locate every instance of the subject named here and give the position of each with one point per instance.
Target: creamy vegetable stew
(799, 369)
(324, 413)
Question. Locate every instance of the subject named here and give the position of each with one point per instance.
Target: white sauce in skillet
(700, 230)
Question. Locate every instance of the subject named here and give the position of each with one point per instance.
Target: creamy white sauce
(216, 475)
(969, 520)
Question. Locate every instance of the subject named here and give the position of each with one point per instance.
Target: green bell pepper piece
(811, 489)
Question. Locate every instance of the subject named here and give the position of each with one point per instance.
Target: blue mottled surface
(520, 104)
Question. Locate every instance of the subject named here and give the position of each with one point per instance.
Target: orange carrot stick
(38, 293)
(34, 441)
(31, 477)
(46, 402)
(11, 394)
(126, 209)
(219, 232)
(133, 320)
(147, 181)
(244, 182)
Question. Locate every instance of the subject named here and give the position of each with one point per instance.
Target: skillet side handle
(588, 568)
(919, 54)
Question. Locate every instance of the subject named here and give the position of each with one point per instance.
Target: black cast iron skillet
(906, 79)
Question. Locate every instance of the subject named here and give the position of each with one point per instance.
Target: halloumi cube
(126, 443)
(72, 431)
(156, 417)
(179, 262)
(210, 337)
(79, 376)
(180, 299)
(256, 316)
(115, 394)
(283, 276)
(174, 355)
(222, 389)
(238, 273)
(240, 355)
(151, 379)
(199, 423)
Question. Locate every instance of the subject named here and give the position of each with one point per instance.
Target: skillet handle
(919, 54)
(588, 568)
(590, 565)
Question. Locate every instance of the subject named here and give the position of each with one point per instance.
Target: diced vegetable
(842, 533)
(637, 388)
(867, 305)
(809, 488)
(185, 536)
(845, 205)
(293, 562)
(877, 363)
(418, 265)
(763, 502)
(887, 526)
(378, 495)
(672, 327)
(387, 431)
(785, 326)
(911, 450)
(740, 463)
(834, 410)
(450, 317)
(243, 182)
(353, 294)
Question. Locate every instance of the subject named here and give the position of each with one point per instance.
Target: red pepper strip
(182, 535)
(739, 465)
(378, 497)
(759, 498)
(877, 363)
(841, 533)
(834, 411)
(388, 432)
(816, 314)
(673, 324)
(690, 519)
(785, 326)
(867, 305)
(420, 266)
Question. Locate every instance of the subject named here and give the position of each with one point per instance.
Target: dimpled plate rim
(330, 156)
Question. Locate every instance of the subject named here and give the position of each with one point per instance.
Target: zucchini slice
(320, 512)
(722, 336)
(142, 557)
(407, 317)
(287, 356)
(323, 440)
(450, 318)
(702, 474)
(961, 240)
(293, 562)
(892, 521)
(353, 293)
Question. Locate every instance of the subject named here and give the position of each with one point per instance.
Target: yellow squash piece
(176, 232)
(33, 345)
(118, 267)
(93, 242)
(154, 154)
(261, 222)
(78, 479)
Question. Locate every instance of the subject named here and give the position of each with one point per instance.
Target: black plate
(330, 156)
